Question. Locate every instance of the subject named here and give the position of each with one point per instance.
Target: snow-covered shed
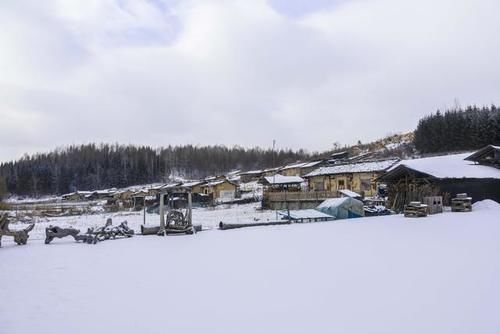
(447, 175)
(489, 155)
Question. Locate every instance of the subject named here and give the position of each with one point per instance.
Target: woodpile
(406, 191)
(415, 210)
(461, 203)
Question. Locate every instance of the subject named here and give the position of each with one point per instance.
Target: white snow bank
(487, 204)
(391, 275)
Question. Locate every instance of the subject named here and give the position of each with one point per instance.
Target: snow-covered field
(386, 274)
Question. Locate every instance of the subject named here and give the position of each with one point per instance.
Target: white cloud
(237, 72)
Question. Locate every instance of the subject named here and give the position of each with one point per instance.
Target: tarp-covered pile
(342, 208)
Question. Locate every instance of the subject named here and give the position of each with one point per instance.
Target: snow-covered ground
(386, 274)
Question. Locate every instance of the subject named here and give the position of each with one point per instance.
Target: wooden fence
(299, 196)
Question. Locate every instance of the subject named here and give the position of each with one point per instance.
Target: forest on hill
(458, 130)
(89, 167)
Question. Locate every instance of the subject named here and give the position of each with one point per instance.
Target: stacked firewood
(461, 203)
(415, 210)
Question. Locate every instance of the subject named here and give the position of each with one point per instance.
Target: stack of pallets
(461, 203)
(415, 210)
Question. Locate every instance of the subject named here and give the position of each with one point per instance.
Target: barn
(448, 175)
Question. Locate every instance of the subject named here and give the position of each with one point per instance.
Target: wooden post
(190, 213)
(162, 214)
(144, 212)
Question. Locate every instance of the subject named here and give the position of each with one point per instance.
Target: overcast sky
(306, 73)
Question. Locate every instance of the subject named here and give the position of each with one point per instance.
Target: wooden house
(270, 171)
(339, 156)
(292, 169)
(301, 168)
(308, 167)
(124, 195)
(249, 176)
(220, 190)
(359, 177)
(195, 186)
(101, 194)
(280, 183)
(446, 176)
(76, 196)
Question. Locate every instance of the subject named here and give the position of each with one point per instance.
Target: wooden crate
(434, 204)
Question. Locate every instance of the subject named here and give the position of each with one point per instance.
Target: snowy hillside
(387, 274)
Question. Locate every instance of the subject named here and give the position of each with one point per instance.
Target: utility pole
(162, 214)
(274, 162)
(274, 171)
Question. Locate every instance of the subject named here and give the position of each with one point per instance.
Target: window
(365, 185)
(341, 184)
(319, 186)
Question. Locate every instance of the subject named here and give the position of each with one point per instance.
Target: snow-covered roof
(216, 183)
(281, 179)
(235, 179)
(294, 165)
(192, 184)
(158, 187)
(360, 167)
(311, 164)
(140, 193)
(271, 169)
(251, 172)
(450, 167)
(305, 214)
(349, 193)
(171, 185)
(302, 165)
(105, 192)
(480, 154)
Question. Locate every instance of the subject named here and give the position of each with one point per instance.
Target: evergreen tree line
(89, 167)
(458, 129)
